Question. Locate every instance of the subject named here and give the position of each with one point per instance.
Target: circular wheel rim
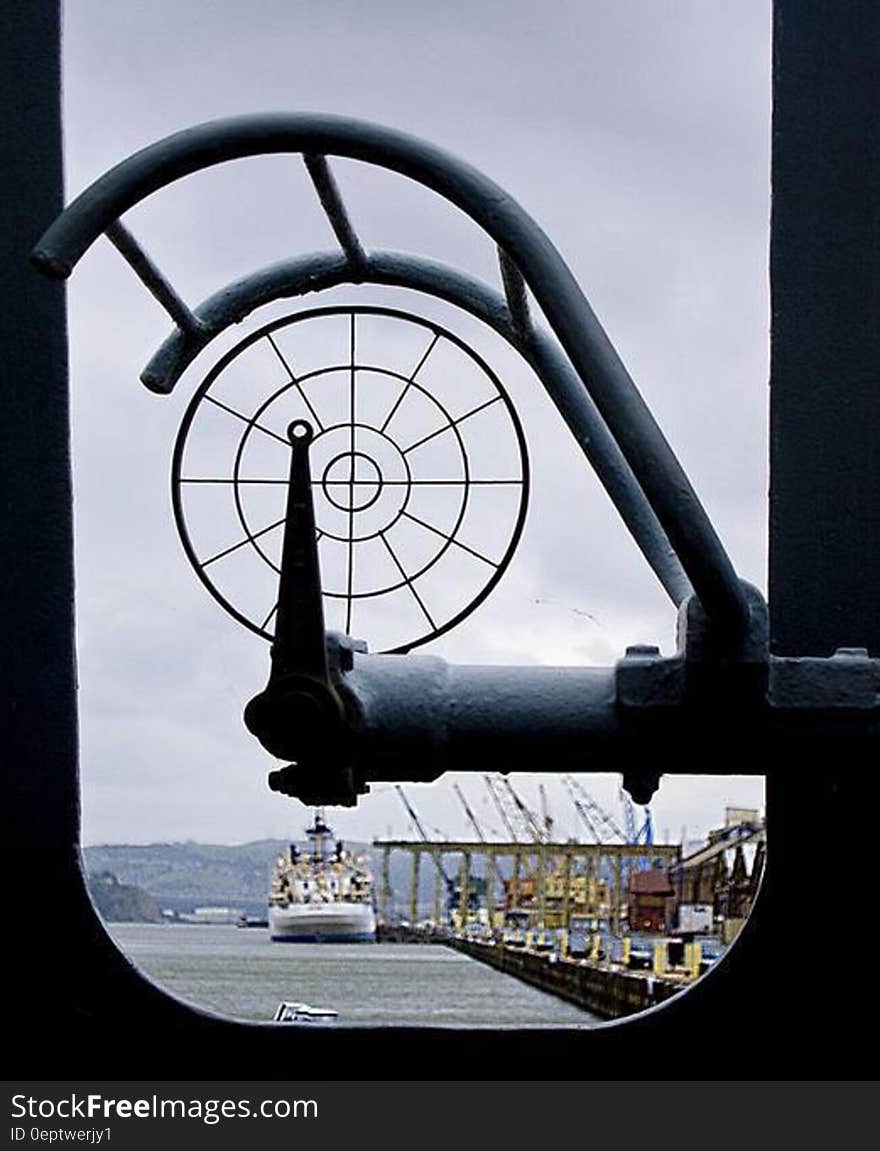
(438, 333)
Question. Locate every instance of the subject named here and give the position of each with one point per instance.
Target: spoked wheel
(419, 466)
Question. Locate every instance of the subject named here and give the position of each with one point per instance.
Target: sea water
(239, 972)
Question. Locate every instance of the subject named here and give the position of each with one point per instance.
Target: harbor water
(238, 972)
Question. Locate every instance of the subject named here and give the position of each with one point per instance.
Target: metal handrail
(516, 234)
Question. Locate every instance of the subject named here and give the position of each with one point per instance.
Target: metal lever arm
(300, 715)
(300, 647)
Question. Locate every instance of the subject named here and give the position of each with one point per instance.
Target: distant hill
(122, 902)
(181, 876)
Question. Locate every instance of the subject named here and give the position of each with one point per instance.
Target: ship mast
(318, 833)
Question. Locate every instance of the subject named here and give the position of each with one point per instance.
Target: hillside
(122, 902)
(181, 876)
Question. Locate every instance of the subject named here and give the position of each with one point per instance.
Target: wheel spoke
(390, 483)
(344, 483)
(470, 482)
(351, 467)
(450, 539)
(295, 382)
(230, 480)
(410, 381)
(406, 579)
(246, 420)
(452, 424)
(248, 539)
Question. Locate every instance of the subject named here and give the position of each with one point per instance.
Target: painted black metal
(419, 717)
(38, 709)
(300, 688)
(37, 681)
(825, 350)
(318, 272)
(299, 645)
(334, 206)
(449, 539)
(782, 1004)
(515, 294)
(568, 313)
(152, 279)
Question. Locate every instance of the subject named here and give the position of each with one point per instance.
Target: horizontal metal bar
(334, 206)
(322, 271)
(152, 278)
(575, 850)
(552, 283)
(419, 717)
(413, 718)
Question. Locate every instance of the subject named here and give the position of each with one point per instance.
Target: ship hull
(322, 923)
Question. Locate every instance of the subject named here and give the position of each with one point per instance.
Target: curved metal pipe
(320, 271)
(568, 312)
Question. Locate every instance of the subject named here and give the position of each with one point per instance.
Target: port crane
(715, 854)
(546, 817)
(472, 819)
(643, 835)
(511, 815)
(731, 838)
(423, 835)
(442, 873)
(602, 827)
(513, 810)
(605, 829)
(537, 833)
(501, 808)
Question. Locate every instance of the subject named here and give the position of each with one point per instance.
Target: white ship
(323, 895)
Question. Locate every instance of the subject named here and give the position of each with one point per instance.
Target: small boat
(303, 1013)
(252, 921)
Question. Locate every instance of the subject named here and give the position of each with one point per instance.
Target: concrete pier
(602, 991)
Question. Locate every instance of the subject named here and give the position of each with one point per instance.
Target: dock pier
(614, 928)
(605, 992)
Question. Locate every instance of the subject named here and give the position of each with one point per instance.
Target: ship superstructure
(323, 894)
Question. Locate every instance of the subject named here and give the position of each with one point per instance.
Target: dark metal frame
(528, 259)
(381, 728)
(757, 1015)
(658, 501)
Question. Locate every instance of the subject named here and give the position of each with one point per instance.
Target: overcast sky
(636, 133)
